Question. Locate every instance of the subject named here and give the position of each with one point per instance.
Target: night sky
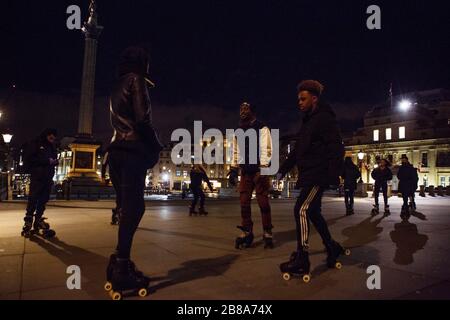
(208, 56)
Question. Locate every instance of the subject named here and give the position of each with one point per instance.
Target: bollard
(422, 191)
(431, 191)
(440, 191)
(448, 190)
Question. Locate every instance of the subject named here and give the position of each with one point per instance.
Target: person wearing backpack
(40, 160)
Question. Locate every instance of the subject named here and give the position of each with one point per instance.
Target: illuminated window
(376, 135)
(401, 133)
(388, 134)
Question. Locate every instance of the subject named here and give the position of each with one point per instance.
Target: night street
(194, 257)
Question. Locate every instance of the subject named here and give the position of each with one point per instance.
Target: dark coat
(197, 177)
(408, 179)
(350, 174)
(39, 153)
(318, 151)
(381, 176)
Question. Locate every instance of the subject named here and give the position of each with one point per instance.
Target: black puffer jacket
(381, 176)
(408, 178)
(319, 151)
(197, 177)
(130, 108)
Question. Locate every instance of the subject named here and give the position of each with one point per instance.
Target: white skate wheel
(116, 295)
(306, 278)
(347, 252)
(108, 286)
(286, 276)
(142, 292)
(338, 265)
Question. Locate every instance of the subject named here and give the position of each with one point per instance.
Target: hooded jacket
(318, 151)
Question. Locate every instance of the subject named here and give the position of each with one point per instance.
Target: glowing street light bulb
(405, 105)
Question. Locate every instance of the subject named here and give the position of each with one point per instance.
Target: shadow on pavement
(363, 233)
(92, 265)
(408, 240)
(419, 215)
(196, 269)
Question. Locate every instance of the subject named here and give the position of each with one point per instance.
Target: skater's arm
(206, 179)
(265, 147)
(142, 112)
(288, 164)
(335, 149)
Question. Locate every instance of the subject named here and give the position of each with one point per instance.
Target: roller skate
(125, 278)
(110, 269)
(26, 230)
(298, 265)
(349, 211)
(387, 212)
(42, 228)
(245, 240)
(404, 215)
(334, 250)
(115, 218)
(268, 239)
(192, 211)
(202, 211)
(375, 210)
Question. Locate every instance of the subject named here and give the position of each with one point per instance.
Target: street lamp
(360, 158)
(405, 105)
(7, 137)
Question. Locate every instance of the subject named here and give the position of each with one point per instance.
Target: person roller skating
(198, 175)
(134, 149)
(408, 179)
(318, 154)
(39, 160)
(251, 177)
(382, 174)
(350, 174)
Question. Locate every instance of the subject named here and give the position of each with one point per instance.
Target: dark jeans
(349, 197)
(406, 196)
(198, 194)
(39, 196)
(261, 184)
(308, 208)
(128, 171)
(383, 187)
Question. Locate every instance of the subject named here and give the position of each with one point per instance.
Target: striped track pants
(308, 208)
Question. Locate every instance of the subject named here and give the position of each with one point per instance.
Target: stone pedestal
(361, 190)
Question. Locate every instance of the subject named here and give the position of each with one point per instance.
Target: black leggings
(383, 187)
(349, 197)
(128, 173)
(198, 193)
(38, 198)
(308, 207)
